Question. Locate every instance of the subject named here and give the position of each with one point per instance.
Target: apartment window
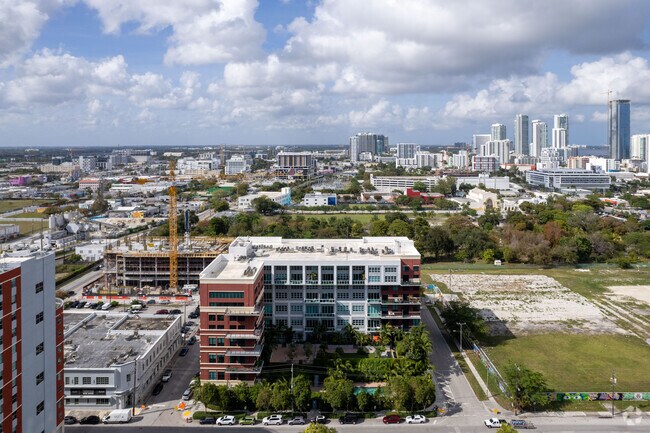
(220, 342)
(67, 380)
(221, 359)
(416, 268)
(358, 295)
(86, 380)
(280, 308)
(342, 295)
(358, 322)
(358, 308)
(102, 380)
(39, 287)
(40, 377)
(296, 322)
(225, 295)
(212, 341)
(102, 401)
(341, 322)
(40, 407)
(374, 278)
(405, 268)
(212, 375)
(268, 296)
(14, 398)
(296, 295)
(39, 317)
(75, 380)
(40, 348)
(374, 269)
(128, 377)
(212, 317)
(390, 278)
(390, 269)
(220, 318)
(373, 295)
(212, 358)
(296, 308)
(221, 375)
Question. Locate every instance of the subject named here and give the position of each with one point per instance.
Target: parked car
(348, 418)
(69, 420)
(226, 420)
(319, 419)
(163, 311)
(296, 420)
(273, 420)
(208, 420)
(416, 419)
(157, 389)
(184, 351)
(495, 422)
(187, 394)
(193, 315)
(91, 419)
(167, 374)
(392, 419)
(192, 340)
(164, 302)
(81, 304)
(247, 420)
(175, 311)
(71, 293)
(522, 424)
(190, 323)
(151, 301)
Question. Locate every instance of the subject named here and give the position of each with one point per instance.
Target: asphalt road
(447, 425)
(78, 283)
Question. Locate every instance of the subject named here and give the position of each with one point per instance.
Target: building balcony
(358, 282)
(243, 334)
(401, 300)
(235, 311)
(398, 315)
(296, 282)
(246, 351)
(253, 369)
(412, 282)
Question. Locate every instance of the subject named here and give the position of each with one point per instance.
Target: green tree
(265, 206)
(223, 398)
(319, 428)
(338, 391)
(364, 401)
(206, 393)
(264, 394)
(400, 228)
(415, 345)
(280, 395)
(507, 428)
(241, 188)
(379, 228)
(461, 312)
(424, 391)
(354, 187)
(399, 393)
(301, 393)
(220, 205)
(420, 186)
(241, 395)
(527, 387)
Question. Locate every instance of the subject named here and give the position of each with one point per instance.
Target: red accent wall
(5, 283)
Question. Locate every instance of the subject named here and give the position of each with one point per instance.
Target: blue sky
(207, 72)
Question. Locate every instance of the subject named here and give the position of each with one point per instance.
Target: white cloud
(51, 78)
(203, 31)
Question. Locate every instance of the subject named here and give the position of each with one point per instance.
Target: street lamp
(613, 381)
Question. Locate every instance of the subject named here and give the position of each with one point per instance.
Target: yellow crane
(173, 235)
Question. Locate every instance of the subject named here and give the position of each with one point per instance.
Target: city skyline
(81, 73)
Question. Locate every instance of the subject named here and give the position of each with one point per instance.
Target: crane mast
(173, 235)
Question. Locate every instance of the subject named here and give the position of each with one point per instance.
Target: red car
(392, 419)
(162, 312)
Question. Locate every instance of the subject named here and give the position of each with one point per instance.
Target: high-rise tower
(498, 132)
(619, 129)
(540, 138)
(521, 134)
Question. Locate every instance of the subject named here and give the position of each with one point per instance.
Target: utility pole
(292, 387)
(460, 346)
(516, 402)
(135, 383)
(613, 380)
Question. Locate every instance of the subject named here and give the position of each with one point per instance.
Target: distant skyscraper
(478, 140)
(498, 132)
(619, 129)
(498, 148)
(521, 135)
(640, 146)
(560, 139)
(407, 150)
(540, 138)
(562, 121)
(376, 144)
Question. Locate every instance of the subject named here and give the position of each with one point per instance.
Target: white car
(272, 420)
(495, 422)
(416, 419)
(167, 374)
(226, 420)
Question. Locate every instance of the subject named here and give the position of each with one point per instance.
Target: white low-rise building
(492, 182)
(390, 183)
(93, 251)
(568, 178)
(113, 360)
(319, 199)
(282, 197)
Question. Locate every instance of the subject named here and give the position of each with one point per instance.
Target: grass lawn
(30, 215)
(573, 362)
(7, 205)
(27, 227)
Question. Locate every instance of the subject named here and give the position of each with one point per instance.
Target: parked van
(118, 416)
(136, 308)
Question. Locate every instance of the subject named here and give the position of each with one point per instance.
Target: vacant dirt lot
(640, 293)
(530, 304)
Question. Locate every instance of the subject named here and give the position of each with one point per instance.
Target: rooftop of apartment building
(247, 254)
(99, 340)
(12, 260)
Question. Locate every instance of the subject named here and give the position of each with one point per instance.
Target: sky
(212, 72)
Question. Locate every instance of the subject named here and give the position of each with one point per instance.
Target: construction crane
(173, 227)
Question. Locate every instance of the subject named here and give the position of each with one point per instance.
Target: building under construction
(144, 264)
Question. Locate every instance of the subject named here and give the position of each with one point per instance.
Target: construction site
(146, 265)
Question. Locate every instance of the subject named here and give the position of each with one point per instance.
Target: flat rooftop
(343, 249)
(223, 268)
(99, 340)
